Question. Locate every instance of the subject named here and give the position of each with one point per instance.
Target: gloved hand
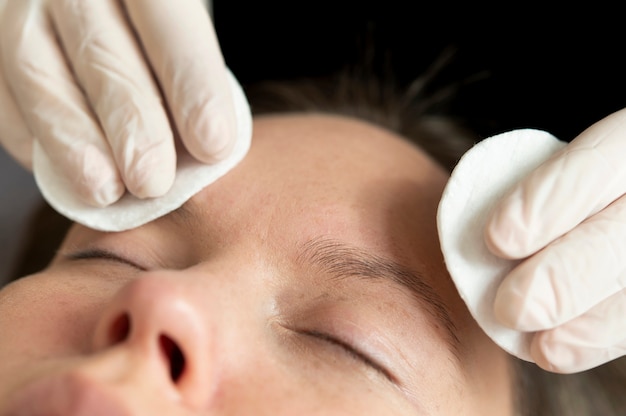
(104, 87)
(567, 220)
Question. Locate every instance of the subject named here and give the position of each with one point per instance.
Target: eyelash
(346, 347)
(92, 254)
(98, 254)
(351, 351)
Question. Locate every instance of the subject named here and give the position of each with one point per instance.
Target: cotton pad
(130, 211)
(481, 178)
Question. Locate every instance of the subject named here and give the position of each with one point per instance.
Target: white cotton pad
(481, 178)
(130, 211)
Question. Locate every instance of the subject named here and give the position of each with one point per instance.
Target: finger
(568, 277)
(110, 66)
(53, 105)
(577, 182)
(588, 341)
(190, 68)
(14, 134)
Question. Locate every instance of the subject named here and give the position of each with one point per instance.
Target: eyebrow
(186, 215)
(342, 261)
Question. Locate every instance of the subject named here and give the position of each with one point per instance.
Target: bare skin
(307, 281)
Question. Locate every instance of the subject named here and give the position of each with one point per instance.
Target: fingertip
(98, 192)
(211, 135)
(95, 177)
(506, 310)
(153, 184)
(556, 357)
(497, 237)
(507, 233)
(516, 304)
(105, 194)
(151, 174)
(539, 357)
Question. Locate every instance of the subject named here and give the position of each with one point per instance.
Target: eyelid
(351, 350)
(100, 254)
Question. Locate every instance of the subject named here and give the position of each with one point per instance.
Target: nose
(160, 321)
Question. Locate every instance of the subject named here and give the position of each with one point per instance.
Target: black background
(541, 66)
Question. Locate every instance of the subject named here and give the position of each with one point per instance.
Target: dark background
(539, 66)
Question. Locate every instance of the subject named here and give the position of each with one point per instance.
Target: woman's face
(307, 281)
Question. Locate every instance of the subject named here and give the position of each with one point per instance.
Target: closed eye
(103, 255)
(353, 352)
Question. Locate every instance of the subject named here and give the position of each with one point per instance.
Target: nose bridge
(160, 319)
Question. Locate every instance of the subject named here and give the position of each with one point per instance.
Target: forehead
(311, 176)
(328, 160)
(336, 146)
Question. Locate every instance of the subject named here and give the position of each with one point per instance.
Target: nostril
(120, 329)
(174, 356)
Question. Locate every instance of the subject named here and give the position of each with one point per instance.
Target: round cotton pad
(481, 178)
(130, 212)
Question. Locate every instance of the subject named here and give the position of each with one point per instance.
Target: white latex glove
(567, 219)
(105, 86)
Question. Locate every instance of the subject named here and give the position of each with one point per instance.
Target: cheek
(49, 316)
(297, 385)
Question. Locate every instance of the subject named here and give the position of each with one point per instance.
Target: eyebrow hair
(185, 215)
(343, 261)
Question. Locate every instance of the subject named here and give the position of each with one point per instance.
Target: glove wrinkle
(592, 339)
(533, 215)
(14, 133)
